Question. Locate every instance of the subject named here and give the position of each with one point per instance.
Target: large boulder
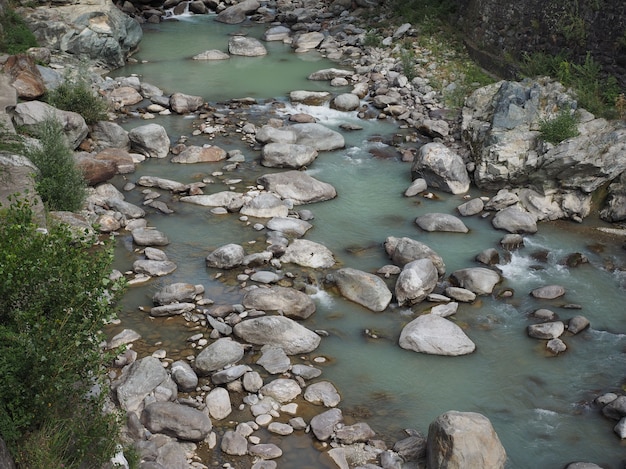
(278, 331)
(236, 13)
(226, 257)
(31, 114)
(290, 302)
(441, 168)
(18, 176)
(514, 220)
(177, 420)
(97, 30)
(287, 155)
(416, 281)
(363, 288)
(25, 76)
(308, 254)
(297, 186)
(264, 205)
(318, 136)
(479, 280)
(614, 209)
(246, 46)
(150, 140)
(138, 382)
(404, 250)
(460, 440)
(184, 103)
(435, 335)
(217, 355)
(203, 154)
(441, 222)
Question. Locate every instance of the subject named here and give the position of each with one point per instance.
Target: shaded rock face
(460, 440)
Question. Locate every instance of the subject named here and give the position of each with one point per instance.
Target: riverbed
(541, 406)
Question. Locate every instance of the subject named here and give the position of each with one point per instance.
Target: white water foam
(323, 114)
(324, 298)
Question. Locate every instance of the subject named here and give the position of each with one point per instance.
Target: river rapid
(541, 406)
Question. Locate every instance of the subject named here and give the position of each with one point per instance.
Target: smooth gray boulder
(323, 425)
(149, 237)
(184, 376)
(218, 403)
(162, 183)
(229, 374)
(238, 12)
(265, 205)
(274, 360)
(182, 103)
(154, 268)
(548, 292)
(142, 378)
(460, 440)
(310, 98)
(226, 257)
(318, 136)
(514, 220)
(305, 42)
(246, 46)
(441, 168)
(416, 281)
(441, 222)
(287, 155)
(546, 330)
(297, 186)
(479, 280)
(265, 451)
(177, 420)
(196, 154)
(270, 134)
(106, 134)
(212, 54)
(288, 301)
(471, 207)
(435, 335)
(150, 140)
(358, 432)
(404, 250)
(179, 292)
(345, 102)
(282, 390)
(217, 355)
(278, 331)
(322, 393)
(308, 254)
(289, 226)
(233, 201)
(363, 288)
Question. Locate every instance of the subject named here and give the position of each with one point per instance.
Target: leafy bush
(15, 37)
(407, 59)
(60, 183)
(54, 297)
(562, 127)
(77, 96)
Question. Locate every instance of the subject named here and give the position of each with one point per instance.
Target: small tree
(55, 295)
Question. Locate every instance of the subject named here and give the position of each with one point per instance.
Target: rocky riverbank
(254, 372)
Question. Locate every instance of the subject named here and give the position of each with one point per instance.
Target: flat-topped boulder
(238, 12)
(287, 155)
(311, 98)
(308, 254)
(246, 46)
(318, 136)
(289, 226)
(177, 420)
(297, 186)
(278, 331)
(197, 154)
(435, 335)
(288, 301)
(363, 288)
(441, 222)
(479, 280)
(264, 205)
(224, 351)
(233, 201)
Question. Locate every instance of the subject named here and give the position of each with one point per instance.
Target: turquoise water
(540, 406)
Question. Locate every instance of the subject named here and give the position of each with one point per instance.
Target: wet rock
(226, 257)
(577, 324)
(288, 301)
(345, 102)
(350, 434)
(289, 226)
(297, 186)
(237, 13)
(417, 186)
(279, 331)
(441, 168)
(149, 237)
(213, 54)
(363, 288)
(546, 330)
(479, 280)
(229, 374)
(441, 222)
(265, 205)
(277, 33)
(458, 440)
(416, 281)
(150, 140)
(556, 346)
(195, 154)
(514, 220)
(154, 268)
(489, 256)
(544, 314)
(308, 254)
(620, 428)
(246, 46)
(548, 292)
(323, 425)
(287, 155)
(175, 293)
(322, 393)
(471, 207)
(173, 309)
(282, 390)
(234, 444)
(217, 355)
(183, 103)
(318, 136)
(218, 403)
(265, 451)
(436, 336)
(404, 250)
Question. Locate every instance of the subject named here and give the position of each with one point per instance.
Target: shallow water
(540, 406)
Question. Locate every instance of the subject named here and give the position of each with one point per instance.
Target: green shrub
(59, 183)
(77, 96)
(55, 295)
(372, 39)
(560, 128)
(407, 59)
(15, 37)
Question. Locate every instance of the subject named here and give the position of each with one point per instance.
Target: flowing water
(540, 406)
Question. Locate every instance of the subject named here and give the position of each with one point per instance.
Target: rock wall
(500, 29)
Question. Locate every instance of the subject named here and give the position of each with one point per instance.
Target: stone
(289, 226)
(218, 403)
(323, 425)
(274, 360)
(150, 140)
(95, 171)
(265, 451)
(479, 280)
(412, 448)
(124, 96)
(441, 222)
(222, 352)
(252, 381)
(556, 346)
(416, 281)
(246, 46)
(264, 205)
(548, 292)
(436, 336)
(310, 98)
(287, 155)
(149, 237)
(322, 393)
(154, 268)
(229, 374)
(228, 256)
(25, 76)
(445, 310)
(173, 309)
(290, 302)
(234, 444)
(195, 154)
(459, 440)
(278, 331)
(577, 324)
(278, 428)
(616, 409)
(317, 136)
(417, 186)
(125, 337)
(363, 288)
(122, 160)
(179, 292)
(306, 371)
(308, 254)
(142, 378)
(307, 41)
(471, 207)
(297, 186)
(233, 201)
(546, 330)
(404, 250)
(345, 102)
(282, 390)
(183, 103)
(237, 12)
(441, 168)
(514, 220)
(489, 257)
(213, 54)
(162, 183)
(350, 434)
(184, 376)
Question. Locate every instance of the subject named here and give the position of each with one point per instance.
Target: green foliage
(59, 183)
(11, 142)
(55, 295)
(77, 96)
(407, 59)
(15, 37)
(560, 128)
(595, 92)
(372, 39)
(423, 11)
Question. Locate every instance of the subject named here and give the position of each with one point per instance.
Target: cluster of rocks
(256, 360)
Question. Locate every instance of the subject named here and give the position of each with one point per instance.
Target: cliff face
(496, 29)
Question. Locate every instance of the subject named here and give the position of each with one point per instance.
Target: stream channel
(540, 406)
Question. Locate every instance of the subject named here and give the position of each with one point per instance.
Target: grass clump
(60, 183)
(77, 96)
(15, 37)
(55, 295)
(560, 128)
